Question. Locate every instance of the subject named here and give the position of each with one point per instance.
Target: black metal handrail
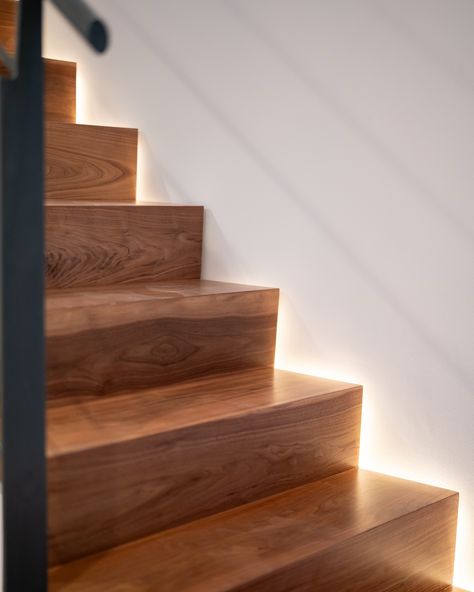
(22, 348)
(85, 21)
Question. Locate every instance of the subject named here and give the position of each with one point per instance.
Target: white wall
(332, 143)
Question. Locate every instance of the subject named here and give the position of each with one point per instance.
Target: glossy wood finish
(353, 532)
(60, 91)
(204, 445)
(420, 583)
(100, 244)
(213, 471)
(105, 340)
(8, 12)
(90, 162)
(59, 76)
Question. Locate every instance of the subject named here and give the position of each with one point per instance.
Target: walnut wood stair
(204, 445)
(60, 91)
(90, 162)
(351, 532)
(100, 244)
(104, 340)
(178, 458)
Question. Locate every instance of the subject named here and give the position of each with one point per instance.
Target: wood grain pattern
(60, 91)
(423, 584)
(89, 162)
(8, 27)
(204, 445)
(8, 17)
(105, 340)
(94, 244)
(353, 532)
(59, 80)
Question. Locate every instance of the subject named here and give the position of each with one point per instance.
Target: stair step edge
(158, 411)
(285, 534)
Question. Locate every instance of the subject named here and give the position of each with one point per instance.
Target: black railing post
(22, 344)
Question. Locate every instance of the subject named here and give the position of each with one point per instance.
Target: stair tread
(148, 291)
(120, 296)
(91, 126)
(266, 430)
(109, 339)
(229, 551)
(83, 203)
(172, 407)
(105, 339)
(62, 62)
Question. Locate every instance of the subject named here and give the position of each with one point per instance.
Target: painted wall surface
(332, 143)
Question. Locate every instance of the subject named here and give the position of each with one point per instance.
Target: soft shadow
(225, 261)
(332, 102)
(287, 188)
(428, 53)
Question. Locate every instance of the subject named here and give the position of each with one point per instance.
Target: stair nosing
(62, 203)
(286, 558)
(151, 300)
(206, 421)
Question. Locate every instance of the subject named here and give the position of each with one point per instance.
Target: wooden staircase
(179, 459)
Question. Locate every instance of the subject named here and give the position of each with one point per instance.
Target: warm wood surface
(8, 10)
(100, 244)
(420, 583)
(189, 403)
(60, 91)
(89, 162)
(102, 340)
(204, 446)
(353, 532)
(59, 80)
(168, 457)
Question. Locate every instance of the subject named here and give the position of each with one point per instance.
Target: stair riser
(93, 352)
(8, 30)
(411, 554)
(352, 532)
(85, 162)
(59, 88)
(60, 91)
(101, 245)
(140, 487)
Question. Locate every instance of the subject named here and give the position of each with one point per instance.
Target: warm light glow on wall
(370, 440)
(368, 460)
(464, 547)
(80, 98)
(284, 360)
(150, 186)
(465, 539)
